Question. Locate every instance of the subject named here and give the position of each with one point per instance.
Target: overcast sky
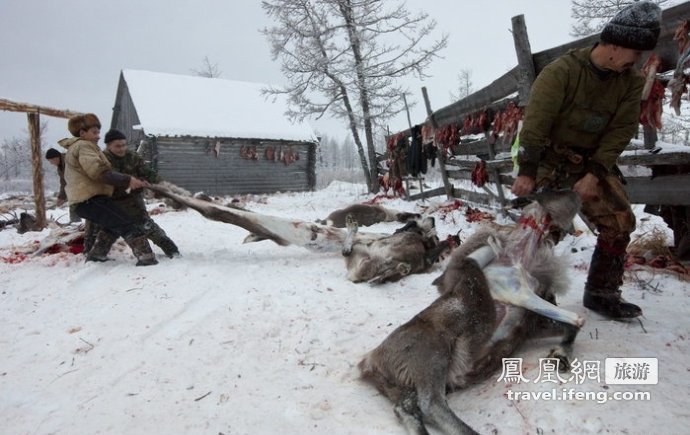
(68, 54)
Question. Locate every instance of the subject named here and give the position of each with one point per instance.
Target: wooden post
(526, 70)
(441, 153)
(495, 174)
(650, 136)
(407, 110)
(37, 164)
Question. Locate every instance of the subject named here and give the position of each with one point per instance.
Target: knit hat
(52, 153)
(636, 26)
(82, 122)
(113, 134)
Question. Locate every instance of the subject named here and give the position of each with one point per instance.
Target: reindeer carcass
(413, 248)
(463, 335)
(369, 257)
(366, 215)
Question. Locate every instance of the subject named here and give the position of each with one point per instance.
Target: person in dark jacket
(90, 183)
(57, 159)
(132, 201)
(583, 111)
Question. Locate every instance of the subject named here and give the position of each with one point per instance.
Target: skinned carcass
(479, 318)
(410, 250)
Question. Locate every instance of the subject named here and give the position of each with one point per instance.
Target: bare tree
(465, 86)
(208, 69)
(591, 15)
(345, 57)
(15, 155)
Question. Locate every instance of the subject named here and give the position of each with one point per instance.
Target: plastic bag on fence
(515, 149)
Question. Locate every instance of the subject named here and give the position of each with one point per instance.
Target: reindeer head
(550, 212)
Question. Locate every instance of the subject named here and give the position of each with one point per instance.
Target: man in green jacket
(132, 201)
(583, 111)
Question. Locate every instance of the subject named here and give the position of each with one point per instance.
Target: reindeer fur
(462, 337)
(411, 249)
(366, 215)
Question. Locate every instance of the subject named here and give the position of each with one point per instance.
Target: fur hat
(636, 26)
(82, 122)
(52, 153)
(113, 134)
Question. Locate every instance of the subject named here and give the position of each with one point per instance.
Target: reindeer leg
(434, 255)
(391, 271)
(352, 227)
(436, 412)
(565, 348)
(542, 327)
(513, 285)
(483, 256)
(409, 414)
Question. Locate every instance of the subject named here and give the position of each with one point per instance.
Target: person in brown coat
(90, 183)
(583, 110)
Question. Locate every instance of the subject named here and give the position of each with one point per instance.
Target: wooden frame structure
(513, 87)
(33, 114)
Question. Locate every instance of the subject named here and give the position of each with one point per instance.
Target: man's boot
(101, 247)
(160, 239)
(142, 250)
(602, 293)
(91, 231)
(168, 246)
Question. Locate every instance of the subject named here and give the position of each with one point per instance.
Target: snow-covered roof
(179, 105)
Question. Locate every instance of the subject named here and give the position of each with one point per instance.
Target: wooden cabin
(222, 137)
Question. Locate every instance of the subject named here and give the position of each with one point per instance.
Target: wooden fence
(483, 110)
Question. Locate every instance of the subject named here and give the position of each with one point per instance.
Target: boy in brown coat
(90, 180)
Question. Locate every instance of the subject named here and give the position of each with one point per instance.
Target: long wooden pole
(407, 110)
(441, 152)
(16, 106)
(37, 164)
(523, 50)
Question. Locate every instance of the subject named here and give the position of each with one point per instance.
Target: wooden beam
(497, 90)
(666, 190)
(474, 197)
(15, 106)
(428, 194)
(506, 180)
(36, 154)
(649, 159)
(526, 72)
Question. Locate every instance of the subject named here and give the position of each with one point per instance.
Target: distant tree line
(15, 160)
(15, 155)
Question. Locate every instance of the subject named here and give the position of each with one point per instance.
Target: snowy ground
(259, 339)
